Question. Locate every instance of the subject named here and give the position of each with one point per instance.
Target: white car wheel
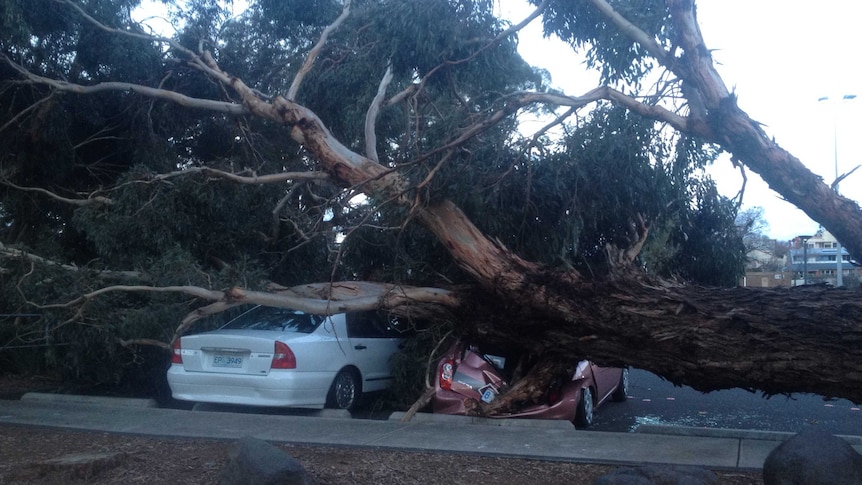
(345, 390)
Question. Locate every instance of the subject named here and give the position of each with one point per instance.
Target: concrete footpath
(536, 439)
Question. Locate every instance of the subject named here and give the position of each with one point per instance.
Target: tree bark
(781, 340)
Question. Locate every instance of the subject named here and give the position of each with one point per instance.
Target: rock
(254, 461)
(813, 457)
(658, 475)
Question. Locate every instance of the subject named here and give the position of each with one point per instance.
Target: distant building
(766, 265)
(815, 260)
(762, 279)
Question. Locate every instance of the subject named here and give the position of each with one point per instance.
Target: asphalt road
(655, 401)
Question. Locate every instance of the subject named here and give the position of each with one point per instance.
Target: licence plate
(231, 361)
(488, 393)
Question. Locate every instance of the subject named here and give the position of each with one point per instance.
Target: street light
(804, 258)
(839, 258)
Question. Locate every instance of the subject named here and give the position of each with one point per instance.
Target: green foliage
(415, 364)
(608, 49)
(564, 206)
(711, 250)
(417, 38)
(83, 351)
(287, 14)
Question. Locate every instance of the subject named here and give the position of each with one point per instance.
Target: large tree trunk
(727, 125)
(787, 175)
(782, 340)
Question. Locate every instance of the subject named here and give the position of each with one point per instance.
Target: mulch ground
(40, 455)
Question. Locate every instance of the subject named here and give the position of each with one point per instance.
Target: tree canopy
(372, 154)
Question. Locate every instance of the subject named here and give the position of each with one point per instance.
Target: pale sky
(780, 57)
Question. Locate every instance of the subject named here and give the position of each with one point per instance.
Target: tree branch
(494, 266)
(111, 30)
(624, 258)
(94, 200)
(252, 180)
(746, 140)
(516, 101)
(371, 116)
(633, 32)
(276, 225)
(194, 59)
(315, 51)
(8, 252)
(319, 299)
(163, 94)
(842, 177)
(241, 179)
(144, 341)
(25, 111)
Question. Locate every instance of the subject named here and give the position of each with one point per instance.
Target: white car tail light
(283, 357)
(176, 352)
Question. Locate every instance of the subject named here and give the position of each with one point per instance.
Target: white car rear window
(271, 318)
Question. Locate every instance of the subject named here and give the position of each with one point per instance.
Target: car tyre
(345, 390)
(621, 394)
(584, 413)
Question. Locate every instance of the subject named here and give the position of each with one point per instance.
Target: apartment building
(814, 259)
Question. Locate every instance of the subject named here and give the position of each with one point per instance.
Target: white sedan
(270, 356)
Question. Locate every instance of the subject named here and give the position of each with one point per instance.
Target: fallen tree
(777, 341)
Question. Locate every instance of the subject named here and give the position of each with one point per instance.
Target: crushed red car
(469, 374)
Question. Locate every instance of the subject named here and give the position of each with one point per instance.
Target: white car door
(372, 342)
